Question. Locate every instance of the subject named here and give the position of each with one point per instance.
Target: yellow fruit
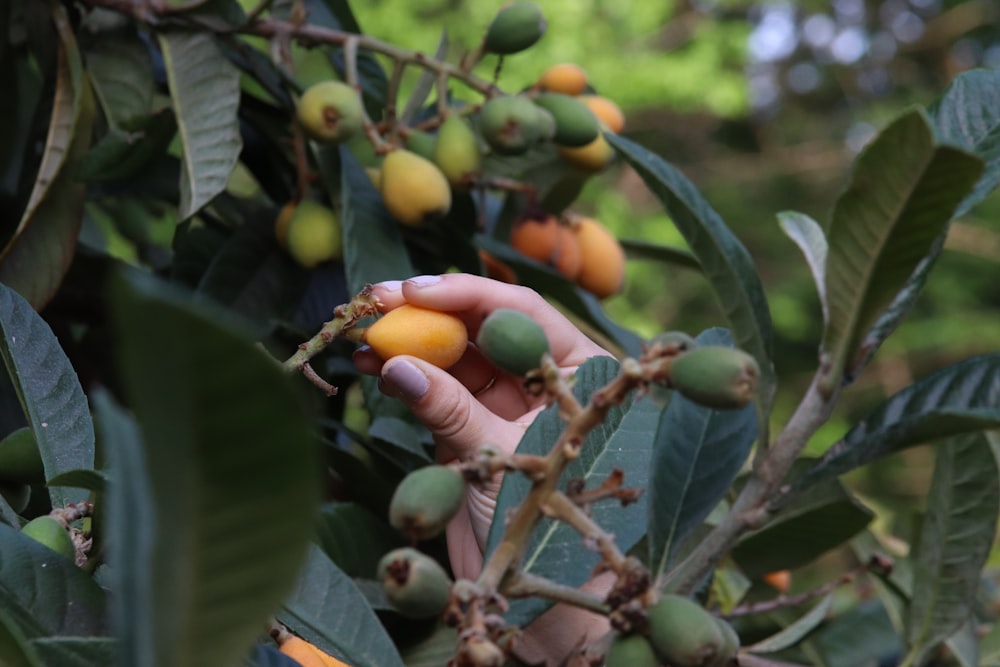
(282, 221)
(375, 176)
(437, 338)
(413, 188)
(313, 235)
(603, 261)
(606, 111)
(456, 151)
(330, 112)
(307, 655)
(565, 78)
(593, 157)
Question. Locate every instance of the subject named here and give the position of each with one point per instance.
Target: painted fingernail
(390, 285)
(410, 383)
(424, 281)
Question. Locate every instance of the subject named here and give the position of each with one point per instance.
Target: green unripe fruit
(715, 376)
(683, 633)
(16, 495)
(456, 151)
(515, 27)
(631, 651)
(730, 646)
(19, 458)
(576, 124)
(330, 112)
(511, 124)
(48, 531)
(421, 143)
(313, 235)
(415, 584)
(426, 500)
(512, 340)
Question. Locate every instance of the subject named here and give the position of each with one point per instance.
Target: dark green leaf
(76, 651)
(354, 538)
(795, 632)
(327, 609)
(808, 235)
(724, 260)
(624, 441)
(49, 391)
(15, 649)
(696, 455)
(122, 153)
(958, 399)
(91, 480)
(44, 593)
(862, 637)
(230, 471)
(636, 249)
(401, 433)
(958, 531)
(121, 70)
(205, 93)
(433, 651)
(903, 193)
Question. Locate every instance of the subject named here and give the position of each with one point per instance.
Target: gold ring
(489, 383)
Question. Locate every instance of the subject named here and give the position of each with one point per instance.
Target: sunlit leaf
(807, 234)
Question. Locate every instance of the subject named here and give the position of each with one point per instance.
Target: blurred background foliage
(763, 105)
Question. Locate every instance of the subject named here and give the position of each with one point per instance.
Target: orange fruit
(537, 239)
(592, 157)
(568, 259)
(308, 655)
(437, 338)
(606, 111)
(565, 78)
(780, 580)
(603, 261)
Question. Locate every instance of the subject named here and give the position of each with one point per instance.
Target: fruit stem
(351, 72)
(524, 584)
(559, 506)
(364, 304)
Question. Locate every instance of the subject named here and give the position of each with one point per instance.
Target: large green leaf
(793, 633)
(638, 249)
(205, 93)
(808, 235)
(121, 71)
(958, 531)
(35, 260)
(903, 193)
(44, 593)
(961, 398)
(215, 505)
(724, 260)
(15, 649)
(696, 455)
(354, 538)
(76, 651)
(861, 637)
(327, 609)
(968, 114)
(624, 441)
(49, 392)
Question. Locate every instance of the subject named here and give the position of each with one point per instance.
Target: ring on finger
(489, 383)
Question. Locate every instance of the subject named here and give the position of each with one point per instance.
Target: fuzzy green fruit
(683, 633)
(512, 340)
(48, 531)
(421, 143)
(19, 458)
(415, 584)
(511, 124)
(515, 27)
(456, 151)
(426, 500)
(730, 646)
(330, 112)
(576, 124)
(631, 651)
(313, 235)
(714, 376)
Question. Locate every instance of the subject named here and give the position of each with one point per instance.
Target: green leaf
(861, 637)
(808, 235)
(960, 398)
(216, 508)
(91, 480)
(121, 153)
(822, 518)
(49, 391)
(354, 538)
(636, 249)
(15, 649)
(624, 441)
(35, 260)
(968, 115)
(797, 631)
(76, 651)
(205, 93)
(433, 651)
(44, 593)
(903, 193)
(958, 530)
(696, 455)
(327, 609)
(403, 434)
(121, 71)
(724, 260)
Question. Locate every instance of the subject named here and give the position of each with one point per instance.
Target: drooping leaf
(121, 70)
(960, 398)
(217, 512)
(725, 262)
(792, 634)
(808, 235)
(49, 391)
(624, 440)
(354, 538)
(958, 530)
(903, 193)
(327, 609)
(35, 260)
(968, 115)
(205, 94)
(637, 249)
(696, 455)
(44, 593)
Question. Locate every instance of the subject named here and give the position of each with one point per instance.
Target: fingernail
(408, 380)
(390, 285)
(424, 281)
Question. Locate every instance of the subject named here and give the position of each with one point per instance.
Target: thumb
(458, 422)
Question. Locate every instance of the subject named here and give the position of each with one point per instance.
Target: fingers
(458, 422)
